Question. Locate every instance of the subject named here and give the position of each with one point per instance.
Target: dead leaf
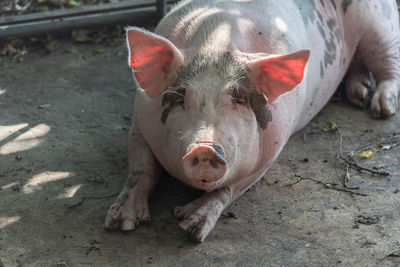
(83, 39)
(19, 57)
(389, 146)
(232, 214)
(395, 253)
(100, 51)
(367, 153)
(44, 106)
(73, 51)
(73, 3)
(8, 50)
(44, 8)
(330, 126)
(347, 175)
(53, 2)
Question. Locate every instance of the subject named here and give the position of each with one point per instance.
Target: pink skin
(211, 140)
(203, 165)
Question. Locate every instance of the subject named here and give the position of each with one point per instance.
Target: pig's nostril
(204, 180)
(214, 164)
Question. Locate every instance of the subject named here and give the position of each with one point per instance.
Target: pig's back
(330, 29)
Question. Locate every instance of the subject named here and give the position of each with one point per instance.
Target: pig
(224, 84)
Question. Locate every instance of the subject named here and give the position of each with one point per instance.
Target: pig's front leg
(199, 217)
(131, 206)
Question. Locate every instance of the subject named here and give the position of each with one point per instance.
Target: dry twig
(326, 185)
(352, 162)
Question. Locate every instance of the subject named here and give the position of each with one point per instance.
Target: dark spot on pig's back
(332, 40)
(321, 30)
(331, 24)
(307, 10)
(345, 5)
(333, 4)
(386, 9)
(259, 106)
(328, 58)
(320, 18)
(321, 70)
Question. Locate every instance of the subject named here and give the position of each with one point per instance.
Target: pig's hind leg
(131, 206)
(358, 83)
(379, 50)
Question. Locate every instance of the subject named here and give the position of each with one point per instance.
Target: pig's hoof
(128, 215)
(198, 225)
(199, 216)
(357, 88)
(124, 218)
(384, 103)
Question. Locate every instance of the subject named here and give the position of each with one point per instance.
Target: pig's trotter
(130, 209)
(358, 84)
(200, 216)
(379, 50)
(384, 103)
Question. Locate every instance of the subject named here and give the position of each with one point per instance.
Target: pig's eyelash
(173, 92)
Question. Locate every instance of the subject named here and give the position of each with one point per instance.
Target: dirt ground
(63, 136)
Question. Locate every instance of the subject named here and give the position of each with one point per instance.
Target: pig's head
(213, 108)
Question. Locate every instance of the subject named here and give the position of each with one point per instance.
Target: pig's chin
(208, 187)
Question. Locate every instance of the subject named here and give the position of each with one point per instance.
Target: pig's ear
(277, 75)
(153, 59)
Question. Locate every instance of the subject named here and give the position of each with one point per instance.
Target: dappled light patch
(5, 221)
(36, 182)
(8, 186)
(6, 131)
(30, 139)
(212, 36)
(69, 192)
(281, 25)
(2, 91)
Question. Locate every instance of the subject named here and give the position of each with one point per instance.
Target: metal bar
(78, 11)
(93, 20)
(89, 16)
(161, 8)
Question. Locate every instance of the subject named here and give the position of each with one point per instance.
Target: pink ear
(275, 76)
(154, 60)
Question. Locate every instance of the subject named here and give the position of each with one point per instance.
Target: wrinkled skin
(224, 84)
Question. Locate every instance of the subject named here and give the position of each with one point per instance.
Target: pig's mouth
(205, 165)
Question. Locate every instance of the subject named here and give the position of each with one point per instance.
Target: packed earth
(331, 199)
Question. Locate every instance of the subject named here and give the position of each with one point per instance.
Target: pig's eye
(241, 100)
(180, 101)
(239, 96)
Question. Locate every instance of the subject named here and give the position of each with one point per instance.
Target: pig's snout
(204, 163)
